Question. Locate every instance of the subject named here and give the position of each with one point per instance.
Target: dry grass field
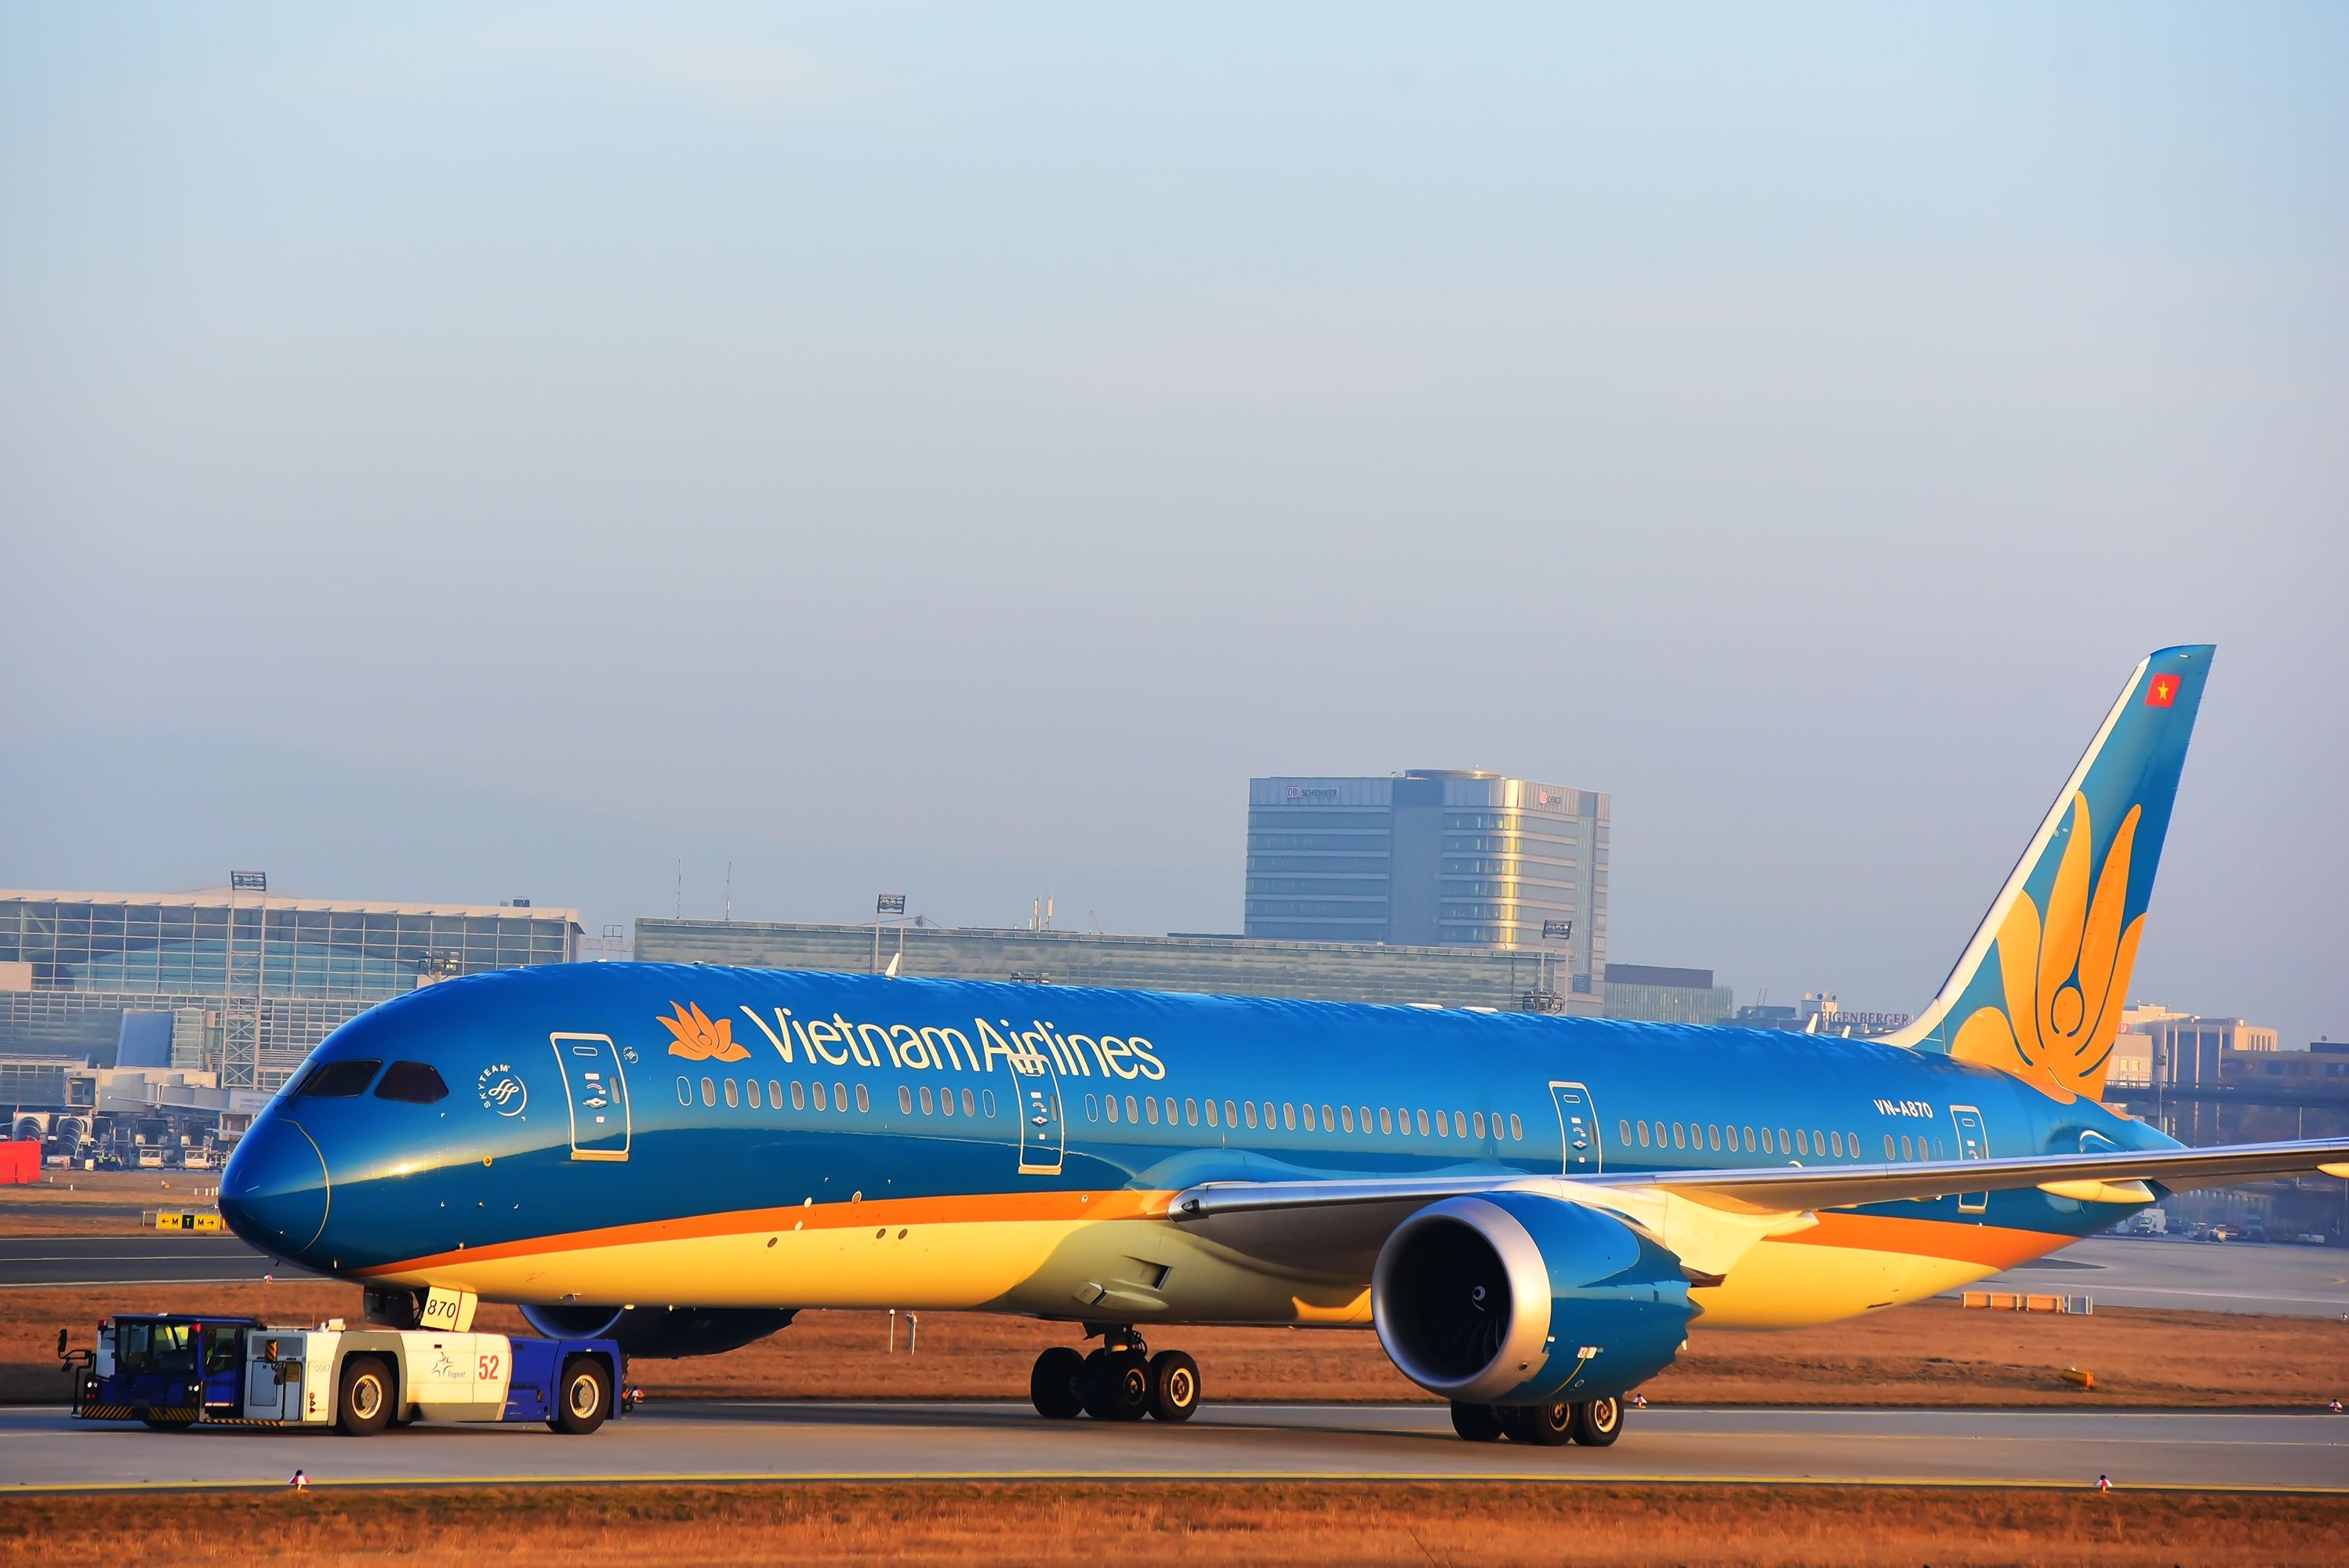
(1932, 1354)
(1035, 1525)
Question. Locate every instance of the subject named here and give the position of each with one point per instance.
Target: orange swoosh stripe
(993, 1208)
(1994, 1246)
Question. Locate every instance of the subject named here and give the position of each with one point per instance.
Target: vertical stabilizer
(2039, 990)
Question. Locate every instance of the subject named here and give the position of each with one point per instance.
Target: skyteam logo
(501, 1089)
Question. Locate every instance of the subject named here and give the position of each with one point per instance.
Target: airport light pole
(887, 904)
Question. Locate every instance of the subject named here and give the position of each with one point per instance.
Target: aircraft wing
(1711, 1218)
(2104, 1175)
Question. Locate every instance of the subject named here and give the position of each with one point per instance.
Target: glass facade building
(1660, 994)
(253, 981)
(1433, 858)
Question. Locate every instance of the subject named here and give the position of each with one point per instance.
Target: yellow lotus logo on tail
(700, 1040)
(2065, 979)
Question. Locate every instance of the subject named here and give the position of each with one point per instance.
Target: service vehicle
(173, 1372)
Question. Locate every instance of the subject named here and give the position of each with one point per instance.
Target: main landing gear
(1594, 1423)
(1121, 1381)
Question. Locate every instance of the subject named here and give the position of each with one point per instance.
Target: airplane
(1531, 1211)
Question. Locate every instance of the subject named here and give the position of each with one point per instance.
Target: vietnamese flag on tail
(2162, 691)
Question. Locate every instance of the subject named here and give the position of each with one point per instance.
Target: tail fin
(2039, 990)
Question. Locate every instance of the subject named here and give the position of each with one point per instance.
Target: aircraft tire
(1117, 1386)
(1477, 1423)
(363, 1398)
(583, 1398)
(1545, 1426)
(1598, 1422)
(1173, 1386)
(1057, 1385)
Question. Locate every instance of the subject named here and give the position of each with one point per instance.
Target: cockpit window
(338, 1080)
(414, 1082)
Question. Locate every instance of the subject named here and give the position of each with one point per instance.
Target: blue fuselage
(607, 1132)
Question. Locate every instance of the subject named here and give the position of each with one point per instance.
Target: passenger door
(1578, 1129)
(1036, 1101)
(1973, 1143)
(598, 1093)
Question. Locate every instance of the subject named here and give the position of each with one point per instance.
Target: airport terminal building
(1499, 978)
(237, 982)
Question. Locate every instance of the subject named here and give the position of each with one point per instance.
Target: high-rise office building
(1433, 858)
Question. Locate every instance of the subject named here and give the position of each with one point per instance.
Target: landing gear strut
(1121, 1381)
(1594, 1423)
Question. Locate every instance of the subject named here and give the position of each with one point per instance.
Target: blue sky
(961, 444)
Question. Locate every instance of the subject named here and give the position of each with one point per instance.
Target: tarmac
(45, 1450)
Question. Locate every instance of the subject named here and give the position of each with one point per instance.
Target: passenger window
(340, 1080)
(1677, 1137)
(1802, 1143)
(1288, 1116)
(1839, 1144)
(1248, 1106)
(1711, 1137)
(863, 1100)
(1442, 1129)
(1906, 1149)
(1170, 1110)
(1622, 1131)
(1152, 1107)
(1092, 1106)
(1643, 1135)
(1191, 1112)
(1327, 1125)
(414, 1083)
(683, 1091)
(1386, 1121)
(1517, 1129)
(928, 1100)
(1268, 1114)
(1213, 1119)
(1113, 1114)
(1888, 1146)
(815, 1093)
(1307, 1116)
(966, 1102)
(986, 1101)
(799, 1095)
(774, 1094)
(708, 1092)
(906, 1099)
(1459, 1124)
(751, 1090)
(1765, 1141)
(1784, 1146)
(1423, 1124)
(1133, 1111)
(733, 1095)
(1346, 1117)
(1231, 1115)
(1749, 1141)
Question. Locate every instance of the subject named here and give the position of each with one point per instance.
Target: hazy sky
(956, 446)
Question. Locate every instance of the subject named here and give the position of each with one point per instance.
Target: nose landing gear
(1121, 1381)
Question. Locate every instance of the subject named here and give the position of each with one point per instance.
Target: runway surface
(2193, 1276)
(56, 1262)
(46, 1449)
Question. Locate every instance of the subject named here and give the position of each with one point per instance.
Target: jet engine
(1511, 1298)
(661, 1332)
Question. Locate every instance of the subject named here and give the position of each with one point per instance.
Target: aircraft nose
(274, 1193)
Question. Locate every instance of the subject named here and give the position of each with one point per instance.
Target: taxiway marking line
(1415, 1478)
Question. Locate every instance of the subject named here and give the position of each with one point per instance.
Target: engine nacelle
(660, 1332)
(1514, 1299)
